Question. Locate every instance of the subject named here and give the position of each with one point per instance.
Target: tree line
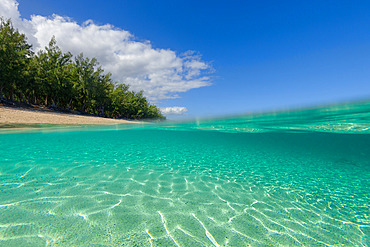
(62, 81)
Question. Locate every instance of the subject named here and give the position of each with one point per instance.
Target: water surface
(298, 178)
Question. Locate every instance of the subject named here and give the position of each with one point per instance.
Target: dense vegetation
(58, 80)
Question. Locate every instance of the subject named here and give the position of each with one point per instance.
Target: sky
(214, 58)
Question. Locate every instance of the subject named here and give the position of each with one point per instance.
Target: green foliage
(14, 58)
(52, 78)
(132, 105)
(55, 75)
(93, 85)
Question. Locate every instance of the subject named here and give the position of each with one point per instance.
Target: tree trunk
(11, 95)
(46, 101)
(53, 104)
(69, 104)
(102, 111)
(83, 107)
(24, 99)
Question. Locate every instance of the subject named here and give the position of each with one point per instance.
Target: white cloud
(161, 73)
(9, 9)
(174, 110)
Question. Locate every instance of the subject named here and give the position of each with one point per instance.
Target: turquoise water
(298, 178)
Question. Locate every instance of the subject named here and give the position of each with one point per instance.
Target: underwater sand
(284, 179)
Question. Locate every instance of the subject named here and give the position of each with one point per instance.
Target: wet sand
(11, 115)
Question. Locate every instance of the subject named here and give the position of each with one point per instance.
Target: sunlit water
(297, 178)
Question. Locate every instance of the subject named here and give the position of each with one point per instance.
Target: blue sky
(255, 55)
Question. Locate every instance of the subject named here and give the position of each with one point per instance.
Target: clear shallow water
(291, 179)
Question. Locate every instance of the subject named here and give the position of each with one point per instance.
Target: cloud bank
(161, 73)
(175, 110)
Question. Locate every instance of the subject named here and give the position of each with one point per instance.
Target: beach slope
(12, 115)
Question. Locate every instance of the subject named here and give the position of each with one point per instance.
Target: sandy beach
(11, 115)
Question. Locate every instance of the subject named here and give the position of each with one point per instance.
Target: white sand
(11, 115)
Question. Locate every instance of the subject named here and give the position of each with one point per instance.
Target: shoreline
(25, 116)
